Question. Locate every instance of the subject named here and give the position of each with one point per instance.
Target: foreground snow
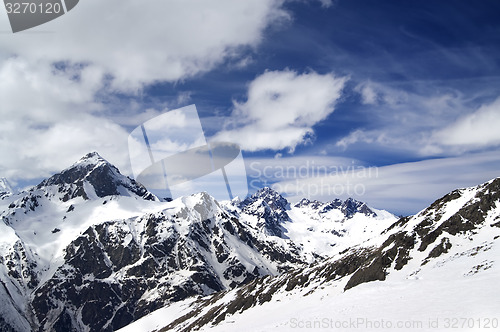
(440, 298)
(458, 293)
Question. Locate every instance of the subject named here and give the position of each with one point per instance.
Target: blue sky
(409, 88)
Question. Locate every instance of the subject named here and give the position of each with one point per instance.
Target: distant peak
(309, 203)
(352, 206)
(269, 197)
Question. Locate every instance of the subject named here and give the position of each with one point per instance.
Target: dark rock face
(441, 248)
(352, 206)
(270, 207)
(396, 249)
(314, 204)
(21, 266)
(335, 204)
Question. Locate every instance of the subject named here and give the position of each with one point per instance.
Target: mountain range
(90, 249)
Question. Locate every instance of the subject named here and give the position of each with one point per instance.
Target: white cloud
(183, 97)
(33, 152)
(26, 89)
(367, 92)
(281, 109)
(140, 42)
(326, 3)
(373, 93)
(47, 119)
(50, 119)
(476, 130)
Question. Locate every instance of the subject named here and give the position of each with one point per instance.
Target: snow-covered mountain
(92, 250)
(40, 223)
(436, 270)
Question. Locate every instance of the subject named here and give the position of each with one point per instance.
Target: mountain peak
(349, 207)
(104, 180)
(352, 206)
(270, 197)
(269, 206)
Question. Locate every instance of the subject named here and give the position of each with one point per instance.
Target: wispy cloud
(281, 109)
(368, 94)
